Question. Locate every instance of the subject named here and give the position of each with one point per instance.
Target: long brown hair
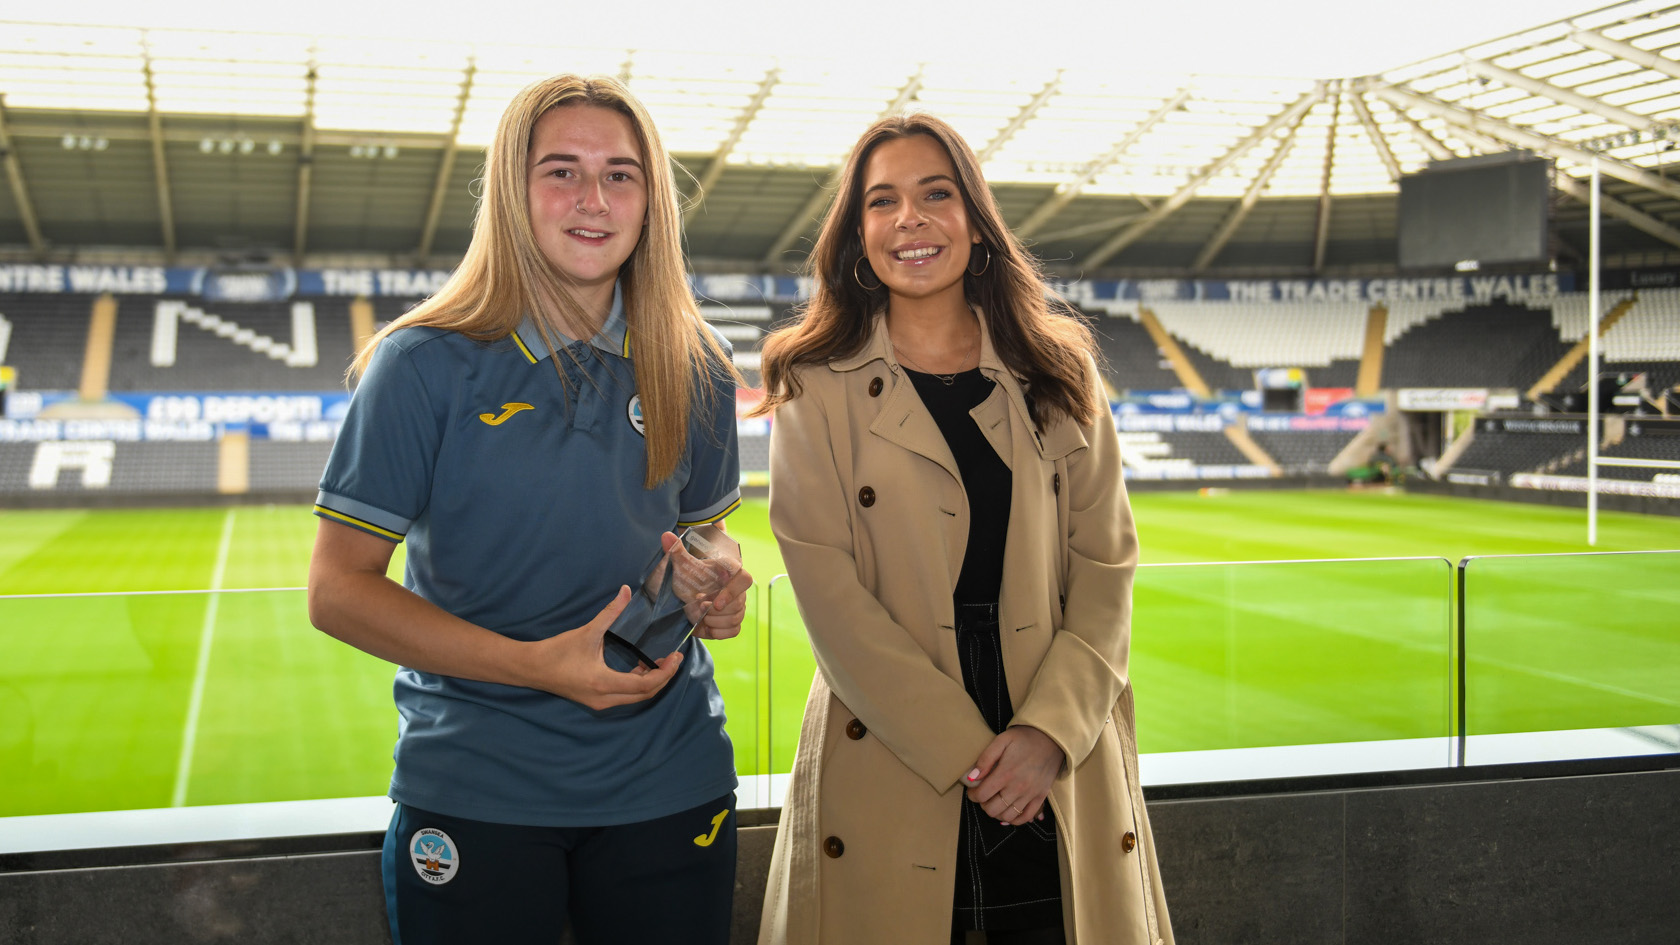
(1041, 343)
(504, 274)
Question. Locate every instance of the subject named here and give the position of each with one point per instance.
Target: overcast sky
(1304, 38)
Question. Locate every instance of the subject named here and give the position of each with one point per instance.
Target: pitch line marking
(206, 635)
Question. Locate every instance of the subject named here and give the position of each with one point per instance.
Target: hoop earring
(984, 266)
(859, 278)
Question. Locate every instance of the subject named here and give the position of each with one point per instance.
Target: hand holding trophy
(675, 594)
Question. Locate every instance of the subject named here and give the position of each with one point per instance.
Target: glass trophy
(675, 594)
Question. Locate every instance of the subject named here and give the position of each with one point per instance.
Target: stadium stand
(1218, 374)
(1175, 455)
(245, 347)
(1659, 375)
(48, 338)
(1637, 442)
(1497, 449)
(387, 309)
(287, 467)
(1131, 361)
(105, 466)
(1497, 346)
(1403, 316)
(1303, 452)
(165, 344)
(745, 326)
(1644, 340)
(1235, 338)
(755, 453)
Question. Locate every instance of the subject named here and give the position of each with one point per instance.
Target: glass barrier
(1258, 669)
(204, 709)
(1285, 668)
(151, 700)
(736, 668)
(792, 667)
(1571, 655)
(226, 706)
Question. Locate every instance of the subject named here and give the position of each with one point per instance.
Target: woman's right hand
(572, 665)
(1011, 780)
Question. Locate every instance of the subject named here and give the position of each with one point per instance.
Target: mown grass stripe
(206, 637)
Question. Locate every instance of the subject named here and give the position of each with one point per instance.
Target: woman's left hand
(1012, 778)
(716, 616)
(728, 607)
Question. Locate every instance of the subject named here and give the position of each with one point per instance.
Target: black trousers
(1008, 878)
(452, 880)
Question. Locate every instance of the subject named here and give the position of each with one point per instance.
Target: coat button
(866, 497)
(1056, 483)
(856, 730)
(1127, 843)
(875, 387)
(833, 847)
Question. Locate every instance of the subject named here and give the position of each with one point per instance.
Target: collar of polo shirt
(613, 338)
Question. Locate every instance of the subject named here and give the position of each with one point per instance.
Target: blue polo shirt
(522, 503)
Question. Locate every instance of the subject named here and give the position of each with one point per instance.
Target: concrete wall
(1536, 855)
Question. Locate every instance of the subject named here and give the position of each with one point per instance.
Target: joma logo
(508, 410)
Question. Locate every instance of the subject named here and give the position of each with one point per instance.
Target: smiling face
(587, 192)
(914, 223)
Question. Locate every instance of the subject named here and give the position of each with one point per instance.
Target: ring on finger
(1016, 809)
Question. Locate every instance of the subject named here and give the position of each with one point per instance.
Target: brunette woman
(946, 493)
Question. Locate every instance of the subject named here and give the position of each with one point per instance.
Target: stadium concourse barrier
(1379, 750)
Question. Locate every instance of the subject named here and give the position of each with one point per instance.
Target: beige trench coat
(872, 521)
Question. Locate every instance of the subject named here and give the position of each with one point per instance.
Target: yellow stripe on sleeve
(356, 523)
(732, 507)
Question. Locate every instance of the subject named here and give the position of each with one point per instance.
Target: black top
(985, 478)
(1008, 877)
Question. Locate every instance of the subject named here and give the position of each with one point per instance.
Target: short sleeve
(713, 489)
(379, 474)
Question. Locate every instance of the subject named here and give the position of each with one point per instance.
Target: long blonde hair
(1042, 344)
(505, 275)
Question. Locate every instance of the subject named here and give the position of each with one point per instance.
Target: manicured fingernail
(1041, 815)
(974, 775)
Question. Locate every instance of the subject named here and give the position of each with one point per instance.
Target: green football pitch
(128, 695)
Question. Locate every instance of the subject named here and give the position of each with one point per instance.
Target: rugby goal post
(1594, 311)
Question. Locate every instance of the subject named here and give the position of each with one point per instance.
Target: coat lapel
(904, 421)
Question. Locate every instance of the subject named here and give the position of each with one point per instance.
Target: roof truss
(305, 166)
(20, 188)
(1135, 231)
(446, 165)
(1071, 189)
(1466, 120)
(820, 199)
(160, 166)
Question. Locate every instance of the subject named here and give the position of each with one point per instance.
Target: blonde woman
(530, 432)
(946, 494)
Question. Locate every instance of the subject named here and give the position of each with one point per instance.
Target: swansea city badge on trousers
(435, 856)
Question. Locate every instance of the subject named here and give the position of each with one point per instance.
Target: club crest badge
(634, 413)
(435, 856)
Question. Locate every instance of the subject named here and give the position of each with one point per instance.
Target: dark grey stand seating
(1495, 346)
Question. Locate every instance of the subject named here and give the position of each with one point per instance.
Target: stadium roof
(178, 142)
